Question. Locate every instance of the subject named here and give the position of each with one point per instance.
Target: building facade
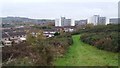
(102, 21)
(97, 20)
(113, 20)
(80, 22)
(63, 22)
(57, 22)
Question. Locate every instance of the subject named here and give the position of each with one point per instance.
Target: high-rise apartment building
(114, 20)
(97, 20)
(63, 22)
(102, 21)
(80, 22)
(57, 22)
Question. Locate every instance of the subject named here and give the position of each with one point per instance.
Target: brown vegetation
(37, 51)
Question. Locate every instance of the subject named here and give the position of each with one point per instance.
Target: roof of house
(65, 27)
(8, 41)
(49, 30)
(7, 30)
(22, 38)
(49, 33)
(15, 29)
(4, 35)
(16, 34)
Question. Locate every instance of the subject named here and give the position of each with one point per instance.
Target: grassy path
(81, 54)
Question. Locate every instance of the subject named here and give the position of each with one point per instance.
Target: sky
(52, 9)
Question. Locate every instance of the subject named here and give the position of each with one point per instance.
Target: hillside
(82, 54)
(24, 20)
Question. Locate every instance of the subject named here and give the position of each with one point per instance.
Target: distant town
(15, 29)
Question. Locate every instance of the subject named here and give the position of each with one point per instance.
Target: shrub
(104, 37)
(104, 41)
(39, 51)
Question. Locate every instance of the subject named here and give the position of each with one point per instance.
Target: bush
(41, 53)
(104, 41)
(102, 36)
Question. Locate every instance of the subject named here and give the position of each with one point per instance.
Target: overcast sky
(75, 9)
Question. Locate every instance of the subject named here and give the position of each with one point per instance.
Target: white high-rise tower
(57, 22)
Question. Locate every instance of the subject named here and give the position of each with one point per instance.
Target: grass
(82, 54)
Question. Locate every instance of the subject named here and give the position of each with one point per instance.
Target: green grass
(82, 54)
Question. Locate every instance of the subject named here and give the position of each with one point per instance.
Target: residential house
(9, 38)
(15, 36)
(49, 32)
(66, 28)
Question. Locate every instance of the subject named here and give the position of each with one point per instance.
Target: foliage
(40, 51)
(103, 37)
(42, 27)
(32, 39)
(56, 34)
(99, 28)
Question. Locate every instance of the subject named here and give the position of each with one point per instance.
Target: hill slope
(81, 54)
